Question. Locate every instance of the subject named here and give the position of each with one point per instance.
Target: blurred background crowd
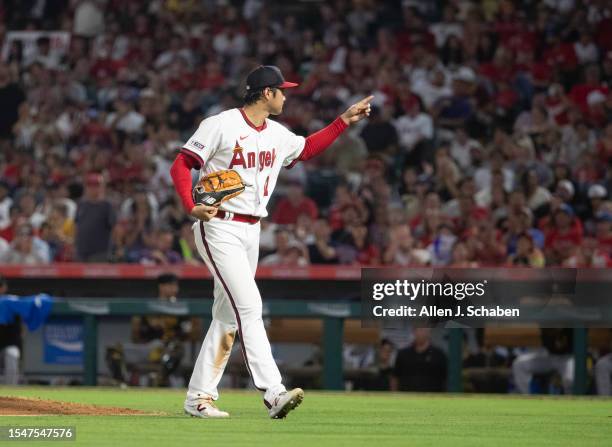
(490, 141)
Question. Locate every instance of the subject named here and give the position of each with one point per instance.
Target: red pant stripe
(212, 261)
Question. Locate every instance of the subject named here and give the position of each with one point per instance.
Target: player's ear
(272, 92)
(266, 92)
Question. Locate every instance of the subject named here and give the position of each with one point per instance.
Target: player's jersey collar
(250, 123)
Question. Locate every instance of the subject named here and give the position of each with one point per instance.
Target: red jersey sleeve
(181, 176)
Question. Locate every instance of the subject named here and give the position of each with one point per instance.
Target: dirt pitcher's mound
(23, 406)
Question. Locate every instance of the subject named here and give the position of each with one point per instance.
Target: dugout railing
(333, 314)
(330, 293)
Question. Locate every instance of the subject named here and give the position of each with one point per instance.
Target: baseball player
(227, 236)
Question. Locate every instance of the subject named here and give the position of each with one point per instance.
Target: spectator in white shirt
(535, 194)
(432, 87)
(586, 50)
(289, 252)
(483, 175)
(230, 42)
(27, 249)
(414, 126)
(461, 149)
(32, 210)
(401, 248)
(4, 248)
(449, 26)
(88, 18)
(43, 54)
(125, 118)
(5, 206)
(177, 52)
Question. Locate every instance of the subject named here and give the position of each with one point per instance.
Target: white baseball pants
(12, 354)
(603, 375)
(230, 250)
(542, 362)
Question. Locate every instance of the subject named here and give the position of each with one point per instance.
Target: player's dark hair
(386, 341)
(253, 97)
(167, 278)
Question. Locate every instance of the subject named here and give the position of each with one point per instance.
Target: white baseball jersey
(230, 141)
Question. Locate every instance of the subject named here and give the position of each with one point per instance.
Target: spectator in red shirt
(564, 236)
(16, 219)
(603, 231)
(486, 244)
(343, 198)
(135, 91)
(580, 92)
(105, 65)
(294, 204)
(604, 146)
(589, 254)
(596, 112)
(560, 54)
(501, 68)
(461, 256)
(212, 77)
(366, 252)
(426, 230)
(506, 97)
(606, 65)
(469, 213)
(541, 72)
(557, 105)
(431, 201)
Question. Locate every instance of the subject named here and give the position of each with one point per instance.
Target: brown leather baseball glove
(217, 187)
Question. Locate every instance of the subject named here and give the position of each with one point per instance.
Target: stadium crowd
(490, 142)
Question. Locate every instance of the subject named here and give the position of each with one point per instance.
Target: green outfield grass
(330, 419)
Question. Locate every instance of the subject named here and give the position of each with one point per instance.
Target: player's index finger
(366, 99)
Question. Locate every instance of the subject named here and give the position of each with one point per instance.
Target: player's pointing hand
(357, 111)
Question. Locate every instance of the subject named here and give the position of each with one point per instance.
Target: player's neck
(256, 114)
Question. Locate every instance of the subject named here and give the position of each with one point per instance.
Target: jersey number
(266, 186)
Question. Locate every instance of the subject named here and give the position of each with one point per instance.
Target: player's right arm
(181, 176)
(200, 147)
(302, 149)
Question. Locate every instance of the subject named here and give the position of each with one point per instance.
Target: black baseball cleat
(284, 402)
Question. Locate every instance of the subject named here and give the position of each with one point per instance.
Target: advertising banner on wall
(63, 342)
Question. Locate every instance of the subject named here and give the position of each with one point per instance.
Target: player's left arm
(319, 141)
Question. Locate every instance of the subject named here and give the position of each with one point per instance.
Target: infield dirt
(21, 406)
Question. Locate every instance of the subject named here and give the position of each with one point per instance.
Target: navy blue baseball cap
(267, 76)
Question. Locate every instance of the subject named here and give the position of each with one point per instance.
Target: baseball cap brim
(288, 85)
